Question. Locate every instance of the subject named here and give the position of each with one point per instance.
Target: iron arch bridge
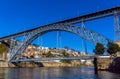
(67, 25)
(83, 32)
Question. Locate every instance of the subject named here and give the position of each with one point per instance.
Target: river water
(55, 73)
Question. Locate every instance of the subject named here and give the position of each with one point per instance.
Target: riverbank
(102, 64)
(44, 64)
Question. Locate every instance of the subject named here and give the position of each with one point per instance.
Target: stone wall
(60, 64)
(103, 63)
(3, 64)
(44, 64)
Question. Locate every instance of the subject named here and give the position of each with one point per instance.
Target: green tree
(99, 49)
(3, 47)
(113, 48)
(49, 54)
(65, 54)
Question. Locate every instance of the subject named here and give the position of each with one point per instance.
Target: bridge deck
(59, 58)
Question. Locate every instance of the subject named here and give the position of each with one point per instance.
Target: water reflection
(3, 73)
(108, 75)
(55, 73)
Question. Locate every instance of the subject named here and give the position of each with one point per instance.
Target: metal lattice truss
(117, 25)
(17, 49)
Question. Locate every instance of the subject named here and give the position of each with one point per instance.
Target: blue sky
(18, 15)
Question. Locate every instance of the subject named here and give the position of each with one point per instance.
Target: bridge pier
(95, 66)
(14, 64)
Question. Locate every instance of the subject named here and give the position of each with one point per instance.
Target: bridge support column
(116, 26)
(95, 66)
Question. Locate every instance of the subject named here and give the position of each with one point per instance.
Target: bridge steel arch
(94, 37)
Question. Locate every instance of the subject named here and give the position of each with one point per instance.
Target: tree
(3, 47)
(99, 49)
(65, 54)
(49, 54)
(113, 48)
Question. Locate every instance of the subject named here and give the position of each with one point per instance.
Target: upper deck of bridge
(85, 17)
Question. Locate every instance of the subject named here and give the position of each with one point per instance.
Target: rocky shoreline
(115, 66)
(45, 64)
(103, 64)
